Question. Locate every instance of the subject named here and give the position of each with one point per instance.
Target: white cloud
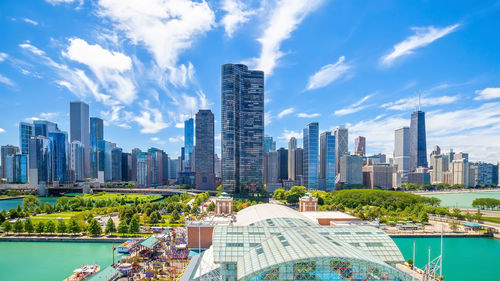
(355, 107)
(157, 140)
(287, 134)
(236, 15)
(3, 56)
(176, 139)
(6, 81)
(423, 36)
(49, 115)
(57, 2)
(413, 102)
(283, 19)
(2, 130)
(166, 28)
(306, 115)
(112, 69)
(488, 94)
(30, 21)
(151, 119)
(327, 74)
(286, 112)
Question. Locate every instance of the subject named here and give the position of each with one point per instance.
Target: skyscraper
(360, 146)
(188, 143)
(76, 158)
(104, 149)
(135, 152)
(126, 166)
(292, 146)
(327, 160)
(271, 169)
(143, 169)
(7, 150)
(26, 131)
(311, 146)
(282, 164)
(351, 173)
(80, 131)
(96, 134)
(204, 151)
(269, 144)
(242, 128)
(43, 128)
(156, 166)
(402, 151)
(17, 168)
(40, 160)
(341, 145)
(59, 157)
(418, 144)
(116, 164)
(299, 166)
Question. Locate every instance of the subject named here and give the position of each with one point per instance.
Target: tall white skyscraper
(402, 151)
(80, 130)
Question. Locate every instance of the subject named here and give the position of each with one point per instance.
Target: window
(373, 244)
(234, 244)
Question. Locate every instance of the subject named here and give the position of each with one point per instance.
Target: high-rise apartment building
(242, 129)
(360, 146)
(402, 151)
(292, 146)
(327, 161)
(460, 171)
(341, 145)
(311, 153)
(204, 150)
(440, 165)
(116, 164)
(96, 134)
(143, 169)
(80, 129)
(104, 150)
(155, 166)
(351, 170)
(17, 168)
(126, 166)
(418, 143)
(271, 168)
(7, 150)
(26, 131)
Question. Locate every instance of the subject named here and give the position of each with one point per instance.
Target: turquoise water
(12, 203)
(463, 200)
(464, 259)
(44, 261)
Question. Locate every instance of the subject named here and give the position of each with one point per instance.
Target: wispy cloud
(413, 102)
(268, 118)
(150, 119)
(3, 56)
(237, 14)
(355, 107)
(423, 36)
(284, 18)
(6, 81)
(58, 2)
(158, 140)
(30, 21)
(306, 115)
(2, 130)
(287, 134)
(488, 94)
(327, 74)
(176, 139)
(286, 112)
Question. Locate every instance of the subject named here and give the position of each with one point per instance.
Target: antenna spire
(419, 100)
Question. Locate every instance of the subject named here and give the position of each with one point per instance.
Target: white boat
(126, 247)
(83, 273)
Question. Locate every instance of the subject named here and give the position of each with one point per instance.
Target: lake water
(463, 200)
(12, 203)
(464, 258)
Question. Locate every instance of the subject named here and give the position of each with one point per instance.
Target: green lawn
(491, 219)
(129, 198)
(54, 217)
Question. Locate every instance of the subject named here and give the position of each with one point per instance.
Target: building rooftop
(149, 243)
(107, 274)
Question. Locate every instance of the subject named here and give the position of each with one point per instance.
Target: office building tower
(327, 161)
(7, 150)
(418, 143)
(126, 166)
(461, 155)
(59, 156)
(217, 166)
(402, 151)
(299, 166)
(271, 168)
(351, 170)
(166, 168)
(77, 161)
(483, 174)
(104, 150)
(242, 129)
(17, 168)
(378, 176)
(135, 152)
(43, 128)
(282, 164)
(173, 166)
(204, 150)
(292, 146)
(156, 166)
(80, 130)
(188, 149)
(96, 134)
(310, 140)
(269, 144)
(116, 164)
(360, 146)
(26, 131)
(40, 160)
(341, 145)
(143, 169)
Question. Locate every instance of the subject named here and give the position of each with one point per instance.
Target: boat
(126, 247)
(83, 272)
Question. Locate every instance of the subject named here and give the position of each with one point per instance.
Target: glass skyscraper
(292, 146)
(204, 151)
(327, 160)
(7, 150)
(341, 145)
(242, 128)
(17, 168)
(80, 129)
(269, 144)
(418, 143)
(104, 149)
(116, 164)
(188, 142)
(402, 151)
(96, 134)
(26, 131)
(310, 158)
(59, 156)
(76, 159)
(43, 128)
(40, 159)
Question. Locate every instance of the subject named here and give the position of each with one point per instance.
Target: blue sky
(145, 66)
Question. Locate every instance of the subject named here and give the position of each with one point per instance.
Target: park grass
(491, 219)
(129, 198)
(66, 216)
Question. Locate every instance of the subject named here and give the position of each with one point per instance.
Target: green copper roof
(149, 242)
(224, 195)
(107, 274)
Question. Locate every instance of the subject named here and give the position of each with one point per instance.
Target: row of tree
(486, 203)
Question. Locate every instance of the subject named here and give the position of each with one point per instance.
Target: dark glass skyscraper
(282, 164)
(188, 142)
(79, 129)
(204, 150)
(96, 134)
(26, 131)
(341, 145)
(327, 160)
(59, 156)
(242, 128)
(311, 153)
(43, 128)
(418, 143)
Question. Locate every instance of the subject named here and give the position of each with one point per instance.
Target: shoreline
(66, 239)
(456, 191)
(13, 197)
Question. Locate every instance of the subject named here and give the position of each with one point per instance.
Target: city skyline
(372, 90)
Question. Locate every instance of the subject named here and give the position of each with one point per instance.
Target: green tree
(61, 226)
(7, 226)
(123, 227)
(175, 216)
(30, 202)
(110, 226)
(211, 207)
(18, 226)
(94, 228)
(40, 227)
(50, 227)
(155, 217)
(74, 227)
(28, 226)
(134, 225)
(279, 194)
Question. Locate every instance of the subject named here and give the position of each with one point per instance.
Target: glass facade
(116, 164)
(269, 144)
(188, 142)
(43, 128)
(104, 150)
(41, 151)
(341, 145)
(327, 160)
(143, 169)
(17, 168)
(96, 134)
(311, 153)
(80, 130)
(204, 164)
(418, 143)
(242, 129)
(59, 157)
(77, 160)
(26, 131)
